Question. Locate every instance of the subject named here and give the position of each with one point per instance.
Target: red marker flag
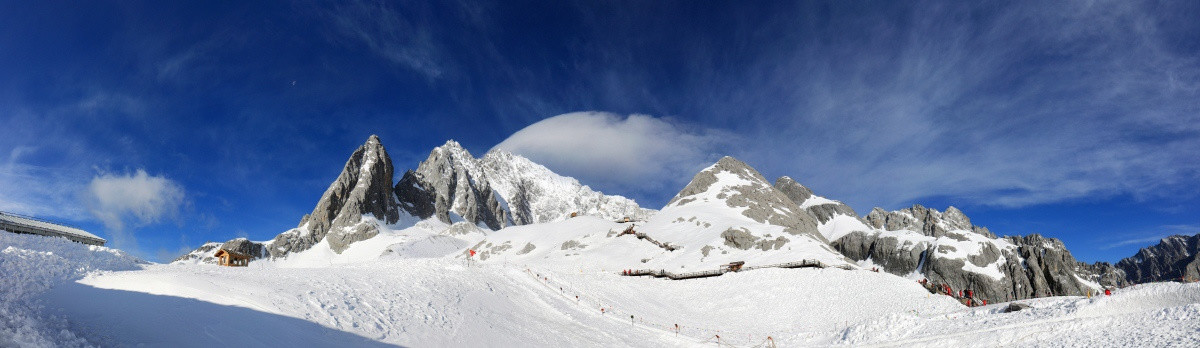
(472, 252)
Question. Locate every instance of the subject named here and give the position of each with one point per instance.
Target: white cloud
(139, 197)
(621, 154)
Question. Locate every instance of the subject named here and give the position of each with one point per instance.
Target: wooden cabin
(733, 266)
(574, 214)
(232, 258)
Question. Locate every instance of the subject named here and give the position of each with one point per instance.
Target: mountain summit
(729, 212)
(340, 217)
(450, 185)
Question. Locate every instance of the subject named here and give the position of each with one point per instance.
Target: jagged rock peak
(930, 222)
(452, 179)
(455, 150)
(363, 187)
(1172, 258)
(739, 186)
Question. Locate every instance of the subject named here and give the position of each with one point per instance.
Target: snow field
(1148, 315)
(792, 306)
(412, 303)
(447, 301)
(29, 266)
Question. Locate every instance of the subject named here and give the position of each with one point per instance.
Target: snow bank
(31, 265)
(1148, 315)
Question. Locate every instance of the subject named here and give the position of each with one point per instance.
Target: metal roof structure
(23, 224)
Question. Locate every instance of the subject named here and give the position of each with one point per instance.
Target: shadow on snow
(126, 318)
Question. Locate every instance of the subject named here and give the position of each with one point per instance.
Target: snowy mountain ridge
(728, 212)
(535, 194)
(498, 190)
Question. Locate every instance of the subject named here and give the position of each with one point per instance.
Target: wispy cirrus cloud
(396, 32)
(1149, 238)
(1022, 106)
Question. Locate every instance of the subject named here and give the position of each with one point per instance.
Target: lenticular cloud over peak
(634, 152)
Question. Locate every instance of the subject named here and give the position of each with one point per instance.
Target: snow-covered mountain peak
(535, 194)
(501, 189)
(733, 185)
(454, 154)
(719, 181)
(730, 212)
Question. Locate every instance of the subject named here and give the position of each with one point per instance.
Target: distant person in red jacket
(1107, 292)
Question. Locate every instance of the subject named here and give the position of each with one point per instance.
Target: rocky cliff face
(364, 187)
(1105, 274)
(1172, 258)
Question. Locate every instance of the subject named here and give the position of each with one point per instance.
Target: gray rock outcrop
(823, 211)
(245, 246)
(364, 187)
(1173, 258)
(929, 222)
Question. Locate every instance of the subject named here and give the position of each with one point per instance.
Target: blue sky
(162, 125)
